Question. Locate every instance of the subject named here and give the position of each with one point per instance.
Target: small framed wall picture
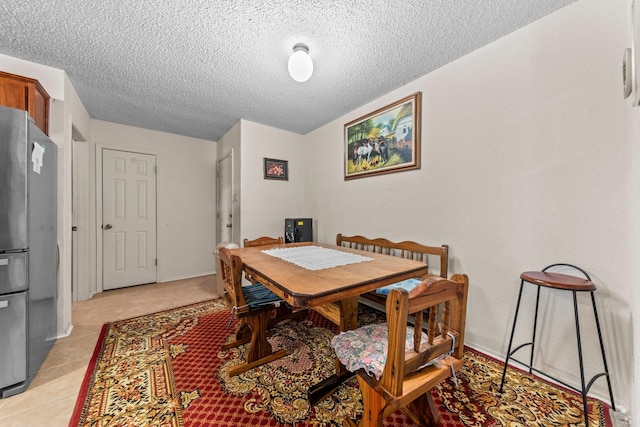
(276, 169)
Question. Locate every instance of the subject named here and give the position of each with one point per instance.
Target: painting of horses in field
(387, 140)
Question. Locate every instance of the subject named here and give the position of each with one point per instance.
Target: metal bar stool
(566, 283)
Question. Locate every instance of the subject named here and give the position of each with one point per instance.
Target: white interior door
(128, 218)
(225, 198)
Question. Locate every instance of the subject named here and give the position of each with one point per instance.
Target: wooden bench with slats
(406, 249)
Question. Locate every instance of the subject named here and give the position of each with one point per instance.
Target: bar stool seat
(562, 282)
(558, 281)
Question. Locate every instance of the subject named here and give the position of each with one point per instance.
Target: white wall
(524, 164)
(51, 79)
(69, 119)
(634, 248)
(265, 203)
(634, 233)
(186, 195)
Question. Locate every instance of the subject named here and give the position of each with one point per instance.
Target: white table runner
(316, 257)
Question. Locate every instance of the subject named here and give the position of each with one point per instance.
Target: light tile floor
(51, 397)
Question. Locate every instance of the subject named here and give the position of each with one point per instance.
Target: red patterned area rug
(166, 369)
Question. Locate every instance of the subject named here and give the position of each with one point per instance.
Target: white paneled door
(128, 218)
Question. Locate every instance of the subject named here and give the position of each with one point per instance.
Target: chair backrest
(447, 304)
(263, 241)
(406, 249)
(231, 272)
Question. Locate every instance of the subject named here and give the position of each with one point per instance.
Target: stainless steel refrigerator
(28, 249)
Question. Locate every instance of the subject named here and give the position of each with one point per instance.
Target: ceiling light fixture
(300, 63)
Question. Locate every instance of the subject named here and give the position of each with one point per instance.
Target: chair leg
(347, 422)
(423, 411)
(259, 351)
(243, 336)
(373, 404)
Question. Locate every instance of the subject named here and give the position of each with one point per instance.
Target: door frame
(99, 242)
(83, 261)
(219, 203)
(75, 218)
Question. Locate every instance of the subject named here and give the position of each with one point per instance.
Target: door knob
(108, 227)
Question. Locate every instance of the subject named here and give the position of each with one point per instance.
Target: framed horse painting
(384, 141)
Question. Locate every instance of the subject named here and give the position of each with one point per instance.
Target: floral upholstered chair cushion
(366, 348)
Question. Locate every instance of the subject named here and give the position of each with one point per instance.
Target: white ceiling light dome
(300, 63)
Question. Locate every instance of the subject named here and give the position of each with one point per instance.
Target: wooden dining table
(333, 292)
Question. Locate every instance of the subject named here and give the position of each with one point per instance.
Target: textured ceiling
(196, 67)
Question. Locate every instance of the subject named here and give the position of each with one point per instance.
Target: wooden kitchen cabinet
(26, 94)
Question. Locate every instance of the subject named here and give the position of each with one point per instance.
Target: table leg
(348, 321)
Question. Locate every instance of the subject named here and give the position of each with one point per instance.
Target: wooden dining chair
(256, 308)
(398, 365)
(261, 241)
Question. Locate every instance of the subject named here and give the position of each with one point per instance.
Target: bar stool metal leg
(532, 343)
(513, 330)
(535, 328)
(604, 358)
(583, 391)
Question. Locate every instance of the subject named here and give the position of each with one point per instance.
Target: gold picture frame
(384, 141)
